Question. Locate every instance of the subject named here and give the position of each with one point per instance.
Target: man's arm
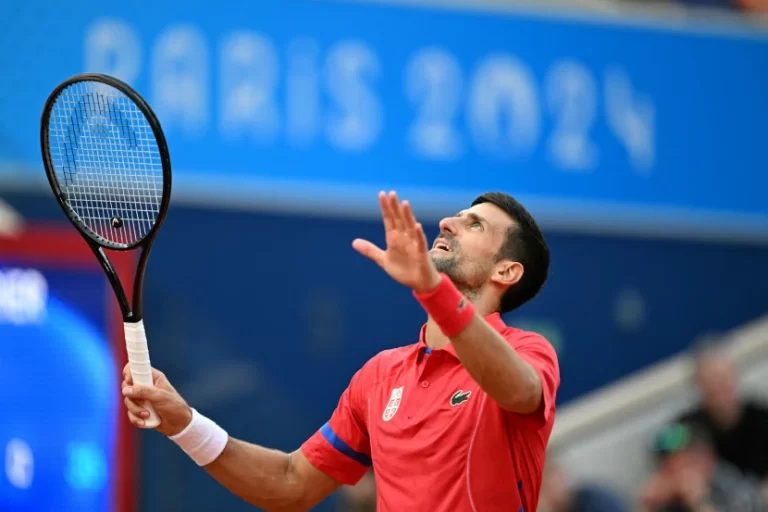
(269, 479)
(497, 368)
(512, 382)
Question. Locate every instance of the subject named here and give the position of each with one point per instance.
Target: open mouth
(441, 246)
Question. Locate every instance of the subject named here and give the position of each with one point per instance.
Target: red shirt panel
(437, 441)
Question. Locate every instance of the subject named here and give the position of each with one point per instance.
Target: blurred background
(635, 132)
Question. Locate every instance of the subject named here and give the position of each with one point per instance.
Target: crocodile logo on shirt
(460, 397)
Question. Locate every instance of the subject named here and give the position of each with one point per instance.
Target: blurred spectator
(738, 427)
(360, 497)
(10, 220)
(690, 477)
(719, 4)
(560, 495)
(753, 6)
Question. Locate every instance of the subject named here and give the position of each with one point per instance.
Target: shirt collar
(494, 319)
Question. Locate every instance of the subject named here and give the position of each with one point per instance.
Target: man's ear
(507, 273)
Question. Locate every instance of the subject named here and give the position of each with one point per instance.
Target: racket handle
(141, 368)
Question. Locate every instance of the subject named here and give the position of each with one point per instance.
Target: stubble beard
(450, 267)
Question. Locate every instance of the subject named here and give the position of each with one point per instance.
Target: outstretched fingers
(369, 250)
(400, 226)
(414, 228)
(397, 211)
(422, 239)
(409, 221)
(387, 214)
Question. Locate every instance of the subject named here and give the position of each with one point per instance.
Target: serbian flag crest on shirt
(393, 404)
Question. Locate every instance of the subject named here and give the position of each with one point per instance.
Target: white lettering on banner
(180, 76)
(302, 92)
(503, 89)
(433, 83)
(632, 118)
(19, 463)
(356, 121)
(249, 74)
(23, 296)
(571, 96)
(112, 47)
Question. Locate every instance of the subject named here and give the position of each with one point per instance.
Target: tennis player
(456, 421)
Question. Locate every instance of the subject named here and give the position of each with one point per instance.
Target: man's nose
(448, 224)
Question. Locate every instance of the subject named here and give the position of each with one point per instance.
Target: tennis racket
(107, 162)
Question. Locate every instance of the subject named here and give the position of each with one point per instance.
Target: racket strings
(106, 161)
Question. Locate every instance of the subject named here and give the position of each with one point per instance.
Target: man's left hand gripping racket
(108, 165)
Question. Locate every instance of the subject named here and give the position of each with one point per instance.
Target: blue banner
(323, 103)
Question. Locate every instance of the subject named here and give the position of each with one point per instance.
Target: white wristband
(203, 440)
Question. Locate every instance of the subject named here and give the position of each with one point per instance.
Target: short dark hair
(707, 346)
(525, 243)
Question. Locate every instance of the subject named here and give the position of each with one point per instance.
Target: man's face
(717, 384)
(688, 463)
(468, 245)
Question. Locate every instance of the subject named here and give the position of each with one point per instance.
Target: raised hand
(406, 258)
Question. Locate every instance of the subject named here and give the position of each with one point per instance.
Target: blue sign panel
(58, 434)
(324, 103)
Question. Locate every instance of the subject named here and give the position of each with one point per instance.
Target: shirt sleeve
(539, 353)
(341, 448)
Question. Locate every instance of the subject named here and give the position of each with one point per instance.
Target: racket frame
(131, 312)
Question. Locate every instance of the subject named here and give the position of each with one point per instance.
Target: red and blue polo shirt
(436, 441)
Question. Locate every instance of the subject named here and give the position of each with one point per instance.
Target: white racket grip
(141, 368)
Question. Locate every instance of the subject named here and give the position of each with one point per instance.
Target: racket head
(107, 160)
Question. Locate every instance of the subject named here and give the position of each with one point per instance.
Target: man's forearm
(260, 476)
(497, 368)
